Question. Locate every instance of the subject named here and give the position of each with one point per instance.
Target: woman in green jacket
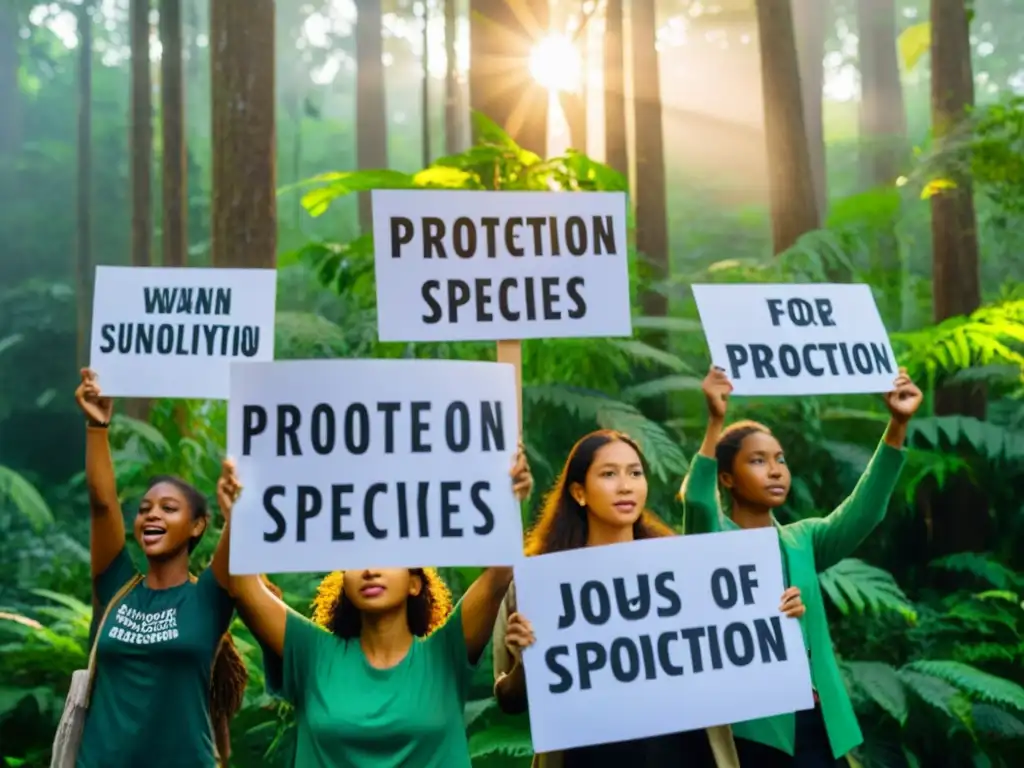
(750, 465)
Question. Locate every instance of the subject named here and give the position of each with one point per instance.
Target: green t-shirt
(351, 715)
(150, 704)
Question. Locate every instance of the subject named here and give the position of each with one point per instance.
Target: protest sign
(173, 332)
(658, 636)
(814, 339)
(373, 463)
(489, 266)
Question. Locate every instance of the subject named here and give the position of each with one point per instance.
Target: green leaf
(662, 386)
(643, 352)
(25, 499)
(913, 43)
(881, 683)
(978, 685)
(854, 586)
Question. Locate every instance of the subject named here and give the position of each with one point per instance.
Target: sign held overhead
(478, 265)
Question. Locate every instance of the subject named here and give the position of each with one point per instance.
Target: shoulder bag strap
(118, 597)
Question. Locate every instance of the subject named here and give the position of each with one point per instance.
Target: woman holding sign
(600, 498)
(382, 677)
(165, 678)
(749, 464)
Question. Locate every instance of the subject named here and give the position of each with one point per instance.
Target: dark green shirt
(353, 715)
(808, 547)
(150, 704)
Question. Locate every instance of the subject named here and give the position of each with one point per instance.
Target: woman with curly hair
(748, 462)
(381, 676)
(600, 498)
(161, 643)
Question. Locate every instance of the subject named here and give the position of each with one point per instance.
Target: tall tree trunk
(10, 93)
(244, 141)
(141, 135)
(810, 19)
(960, 513)
(615, 151)
(371, 98)
(502, 34)
(172, 96)
(650, 193)
(452, 95)
(425, 127)
(883, 133)
(794, 209)
(883, 121)
(83, 196)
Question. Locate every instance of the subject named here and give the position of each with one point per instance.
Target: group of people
(380, 675)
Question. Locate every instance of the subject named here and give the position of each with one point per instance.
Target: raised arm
(106, 529)
(701, 513)
(837, 536)
(482, 600)
(261, 609)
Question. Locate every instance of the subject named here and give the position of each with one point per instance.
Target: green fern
(24, 499)
(882, 684)
(982, 566)
(662, 451)
(990, 441)
(500, 739)
(978, 685)
(854, 586)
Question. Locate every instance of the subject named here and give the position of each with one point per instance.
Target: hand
(792, 605)
(522, 478)
(97, 409)
(905, 398)
(518, 635)
(717, 389)
(228, 488)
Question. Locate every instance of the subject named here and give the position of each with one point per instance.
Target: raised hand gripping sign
(658, 636)
(367, 463)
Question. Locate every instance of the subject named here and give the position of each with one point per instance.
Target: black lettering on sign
(511, 299)
(519, 236)
(444, 509)
(673, 653)
(187, 301)
(595, 599)
(760, 361)
(801, 312)
(326, 429)
(180, 339)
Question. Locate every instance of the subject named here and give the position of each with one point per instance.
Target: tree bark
(452, 100)
(83, 197)
(960, 511)
(371, 99)
(615, 147)
(794, 209)
(244, 139)
(810, 19)
(172, 98)
(141, 135)
(883, 121)
(502, 34)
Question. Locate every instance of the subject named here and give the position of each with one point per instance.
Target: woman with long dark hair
(380, 677)
(600, 498)
(748, 462)
(167, 677)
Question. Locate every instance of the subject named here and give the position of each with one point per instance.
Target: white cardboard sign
(477, 265)
(658, 636)
(813, 339)
(174, 332)
(373, 463)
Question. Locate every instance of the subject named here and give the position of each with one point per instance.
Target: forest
(863, 141)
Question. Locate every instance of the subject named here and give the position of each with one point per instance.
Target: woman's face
(759, 475)
(615, 488)
(379, 590)
(164, 524)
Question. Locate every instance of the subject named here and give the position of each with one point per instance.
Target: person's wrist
(94, 424)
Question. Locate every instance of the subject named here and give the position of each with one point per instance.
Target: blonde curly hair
(426, 612)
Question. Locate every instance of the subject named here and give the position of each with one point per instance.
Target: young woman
(750, 465)
(381, 679)
(168, 679)
(600, 498)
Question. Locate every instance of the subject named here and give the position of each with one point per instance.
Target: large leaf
(881, 683)
(913, 43)
(25, 499)
(854, 586)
